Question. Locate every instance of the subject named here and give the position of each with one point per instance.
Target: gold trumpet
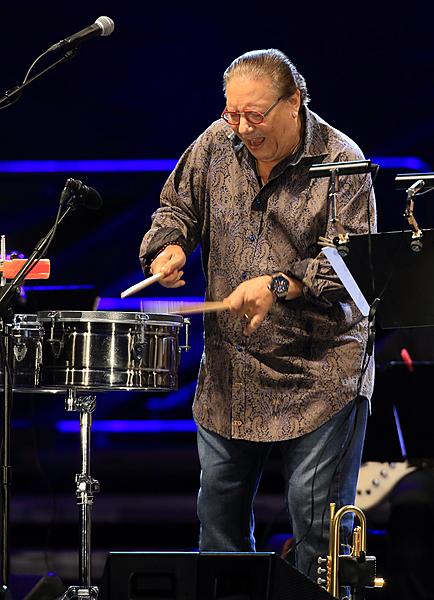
(355, 569)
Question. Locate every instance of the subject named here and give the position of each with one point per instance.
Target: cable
(45, 244)
(18, 96)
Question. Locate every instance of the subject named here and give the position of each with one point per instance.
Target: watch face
(279, 286)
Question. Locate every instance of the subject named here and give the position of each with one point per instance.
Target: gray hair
(269, 63)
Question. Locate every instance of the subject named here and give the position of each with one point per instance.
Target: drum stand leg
(86, 487)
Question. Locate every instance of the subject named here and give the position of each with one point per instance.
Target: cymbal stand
(86, 487)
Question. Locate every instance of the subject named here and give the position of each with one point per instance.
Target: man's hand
(252, 300)
(169, 263)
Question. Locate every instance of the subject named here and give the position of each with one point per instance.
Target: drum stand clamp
(86, 487)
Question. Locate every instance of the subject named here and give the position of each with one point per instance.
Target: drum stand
(86, 487)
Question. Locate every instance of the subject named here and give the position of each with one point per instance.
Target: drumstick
(201, 307)
(141, 285)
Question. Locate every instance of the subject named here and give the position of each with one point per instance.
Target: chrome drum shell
(105, 350)
(26, 334)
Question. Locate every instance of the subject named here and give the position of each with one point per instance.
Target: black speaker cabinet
(204, 576)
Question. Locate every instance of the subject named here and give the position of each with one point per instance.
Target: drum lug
(20, 351)
(186, 346)
(56, 347)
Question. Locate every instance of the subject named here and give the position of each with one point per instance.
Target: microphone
(351, 167)
(102, 26)
(75, 192)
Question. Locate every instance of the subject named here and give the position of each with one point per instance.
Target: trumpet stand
(355, 569)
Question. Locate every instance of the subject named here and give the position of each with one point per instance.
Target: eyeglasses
(253, 117)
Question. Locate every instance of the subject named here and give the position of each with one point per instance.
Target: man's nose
(244, 125)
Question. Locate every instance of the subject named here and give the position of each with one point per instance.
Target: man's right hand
(170, 262)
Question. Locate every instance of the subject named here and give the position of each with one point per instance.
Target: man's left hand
(252, 300)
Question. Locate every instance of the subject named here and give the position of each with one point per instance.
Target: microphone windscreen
(107, 25)
(90, 198)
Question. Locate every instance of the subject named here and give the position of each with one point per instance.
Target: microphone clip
(340, 242)
(71, 193)
(76, 193)
(416, 244)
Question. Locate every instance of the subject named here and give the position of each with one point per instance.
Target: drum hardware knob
(81, 593)
(143, 316)
(86, 485)
(85, 404)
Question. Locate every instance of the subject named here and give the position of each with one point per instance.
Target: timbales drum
(26, 336)
(105, 350)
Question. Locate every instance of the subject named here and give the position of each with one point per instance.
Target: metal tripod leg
(86, 487)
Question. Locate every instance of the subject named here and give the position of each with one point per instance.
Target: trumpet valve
(357, 541)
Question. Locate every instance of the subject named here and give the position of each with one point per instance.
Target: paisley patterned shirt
(303, 364)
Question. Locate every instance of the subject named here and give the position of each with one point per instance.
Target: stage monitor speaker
(204, 576)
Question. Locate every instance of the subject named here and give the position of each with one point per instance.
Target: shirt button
(238, 423)
(244, 275)
(251, 237)
(239, 347)
(257, 204)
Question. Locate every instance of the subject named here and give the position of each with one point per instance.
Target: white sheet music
(347, 279)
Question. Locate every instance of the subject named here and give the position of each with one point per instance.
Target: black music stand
(403, 278)
(404, 283)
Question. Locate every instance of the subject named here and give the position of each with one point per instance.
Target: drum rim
(106, 316)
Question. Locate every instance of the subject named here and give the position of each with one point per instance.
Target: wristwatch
(279, 285)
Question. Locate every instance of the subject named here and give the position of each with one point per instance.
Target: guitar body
(377, 480)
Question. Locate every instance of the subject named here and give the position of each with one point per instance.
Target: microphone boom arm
(6, 98)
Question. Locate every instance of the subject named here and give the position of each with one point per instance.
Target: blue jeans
(318, 468)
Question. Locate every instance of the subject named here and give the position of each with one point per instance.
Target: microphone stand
(9, 95)
(7, 294)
